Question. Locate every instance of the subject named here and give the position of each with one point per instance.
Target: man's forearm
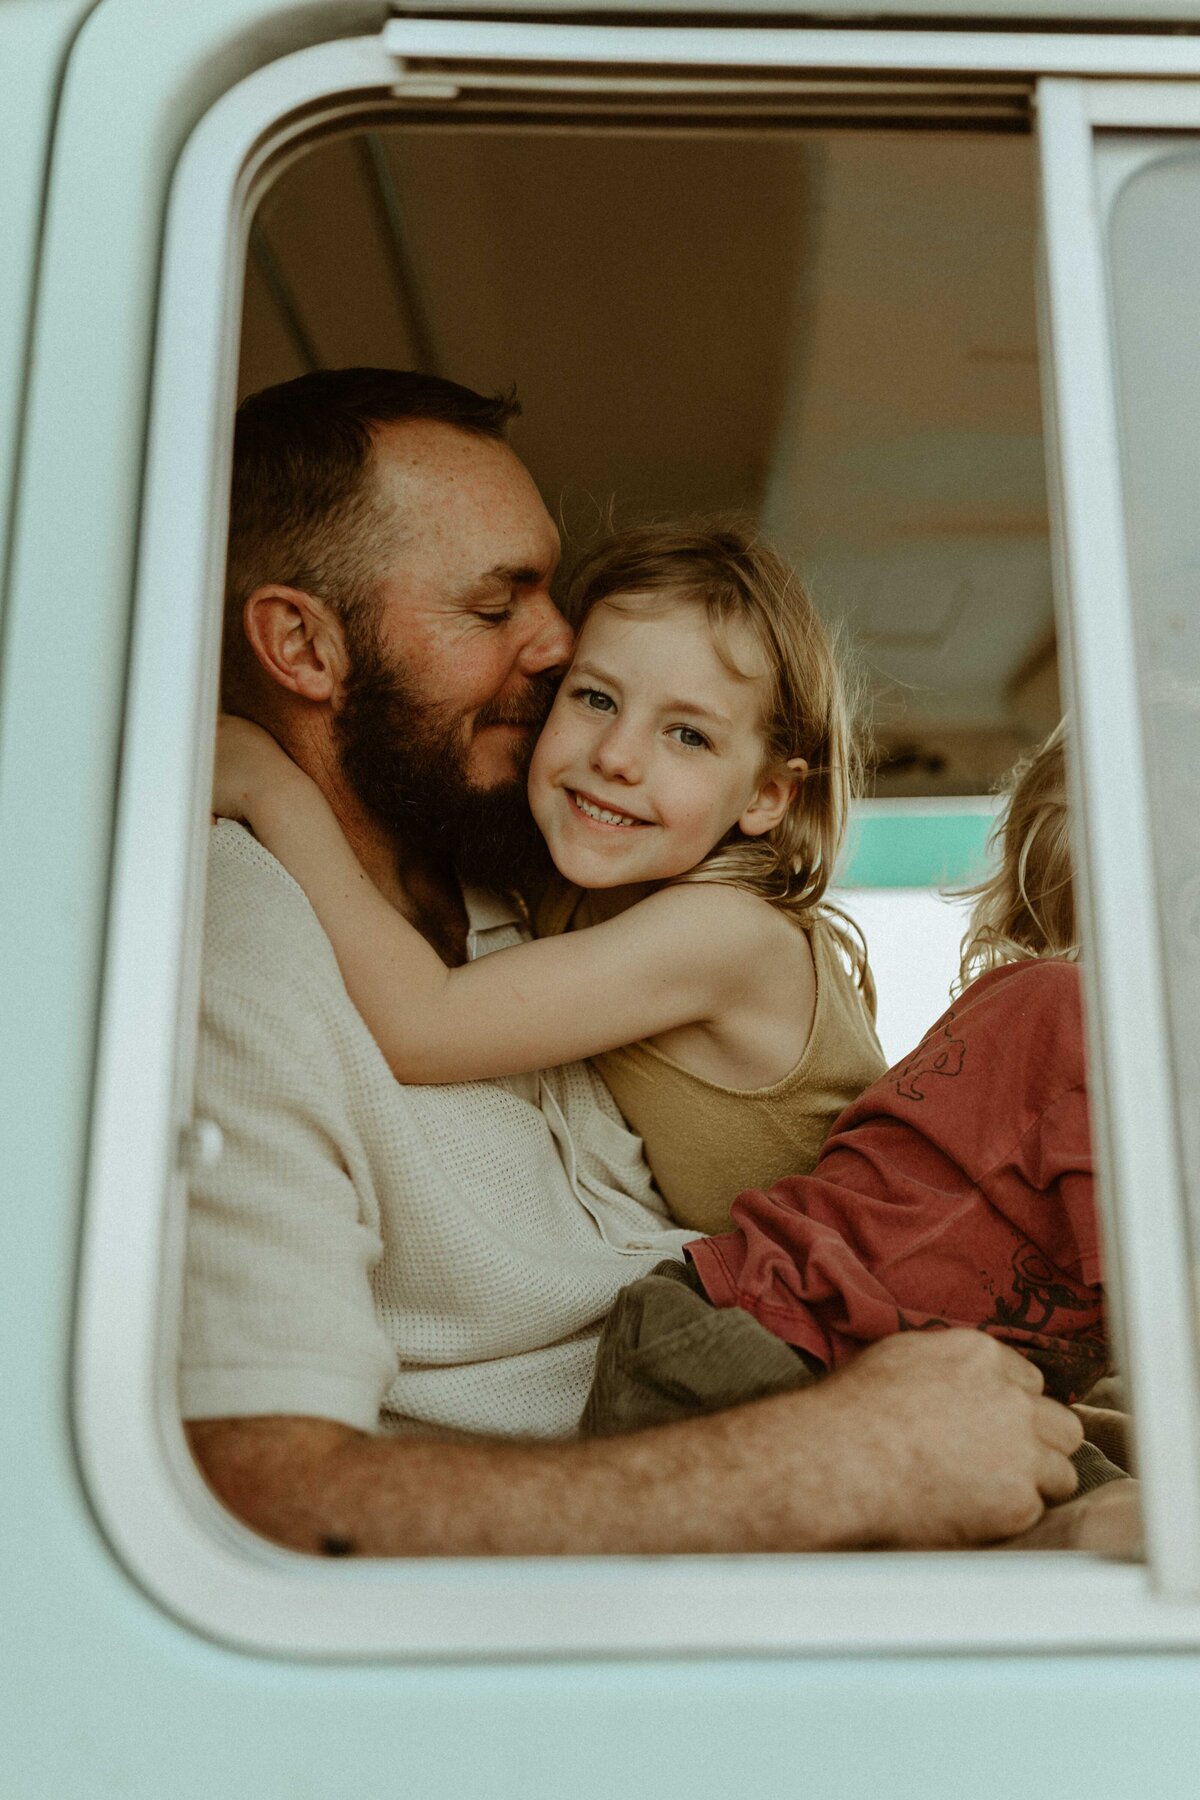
(920, 1442)
(322, 1488)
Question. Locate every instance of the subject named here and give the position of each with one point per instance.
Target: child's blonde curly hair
(723, 566)
(1027, 908)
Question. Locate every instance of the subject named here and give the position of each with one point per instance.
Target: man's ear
(297, 640)
(775, 794)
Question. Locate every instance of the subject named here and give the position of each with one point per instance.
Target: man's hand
(954, 1435)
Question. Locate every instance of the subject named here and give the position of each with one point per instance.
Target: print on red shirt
(938, 1053)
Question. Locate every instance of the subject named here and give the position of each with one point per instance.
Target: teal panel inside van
(908, 848)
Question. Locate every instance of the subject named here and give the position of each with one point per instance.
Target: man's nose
(550, 640)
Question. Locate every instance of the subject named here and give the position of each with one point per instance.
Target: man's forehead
(423, 452)
(445, 480)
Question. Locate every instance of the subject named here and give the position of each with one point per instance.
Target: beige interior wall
(833, 331)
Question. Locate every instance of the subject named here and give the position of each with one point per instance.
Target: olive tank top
(704, 1142)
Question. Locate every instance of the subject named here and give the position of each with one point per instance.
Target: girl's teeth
(599, 812)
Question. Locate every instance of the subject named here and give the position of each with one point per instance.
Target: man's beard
(405, 759)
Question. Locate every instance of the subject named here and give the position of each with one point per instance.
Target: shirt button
(201, 1146)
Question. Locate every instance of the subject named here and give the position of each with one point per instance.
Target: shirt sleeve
(278, 1314)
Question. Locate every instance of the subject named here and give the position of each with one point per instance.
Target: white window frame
(1128, 972)
(173, 1536)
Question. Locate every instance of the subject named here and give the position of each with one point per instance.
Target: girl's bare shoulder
(713, 916)
(756, 969)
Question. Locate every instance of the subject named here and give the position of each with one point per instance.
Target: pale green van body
(102, 1692)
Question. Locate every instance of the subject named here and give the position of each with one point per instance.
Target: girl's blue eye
(596, 698)
(689, 737)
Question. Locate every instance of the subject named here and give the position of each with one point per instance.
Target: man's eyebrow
(504, 575)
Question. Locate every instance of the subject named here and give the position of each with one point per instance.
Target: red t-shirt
(957, 1190)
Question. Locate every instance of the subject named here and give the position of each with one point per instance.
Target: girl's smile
(654, 748)
(599, 812)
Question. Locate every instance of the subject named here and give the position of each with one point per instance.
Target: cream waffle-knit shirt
(397, 1258)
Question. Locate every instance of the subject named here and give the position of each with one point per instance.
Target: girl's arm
(670, 960)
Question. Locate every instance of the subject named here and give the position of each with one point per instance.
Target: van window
(839, 340)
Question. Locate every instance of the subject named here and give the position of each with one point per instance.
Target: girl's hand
(250, 768)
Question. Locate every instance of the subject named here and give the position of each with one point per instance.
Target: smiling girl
(692, 784)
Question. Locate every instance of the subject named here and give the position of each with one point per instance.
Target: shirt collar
(489, 911)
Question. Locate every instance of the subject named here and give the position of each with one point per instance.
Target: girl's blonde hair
(1027, 908)
(741, 582)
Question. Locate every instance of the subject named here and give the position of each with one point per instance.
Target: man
(394, 1294)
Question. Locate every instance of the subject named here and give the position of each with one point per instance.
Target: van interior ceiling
(831, 330)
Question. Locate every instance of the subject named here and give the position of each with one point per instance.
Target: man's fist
(955, 1436)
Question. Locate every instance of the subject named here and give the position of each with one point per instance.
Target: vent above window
(684, 76)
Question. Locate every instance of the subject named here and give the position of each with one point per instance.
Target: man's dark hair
(303, 508)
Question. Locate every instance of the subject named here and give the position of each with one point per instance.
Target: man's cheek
(496, 760)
